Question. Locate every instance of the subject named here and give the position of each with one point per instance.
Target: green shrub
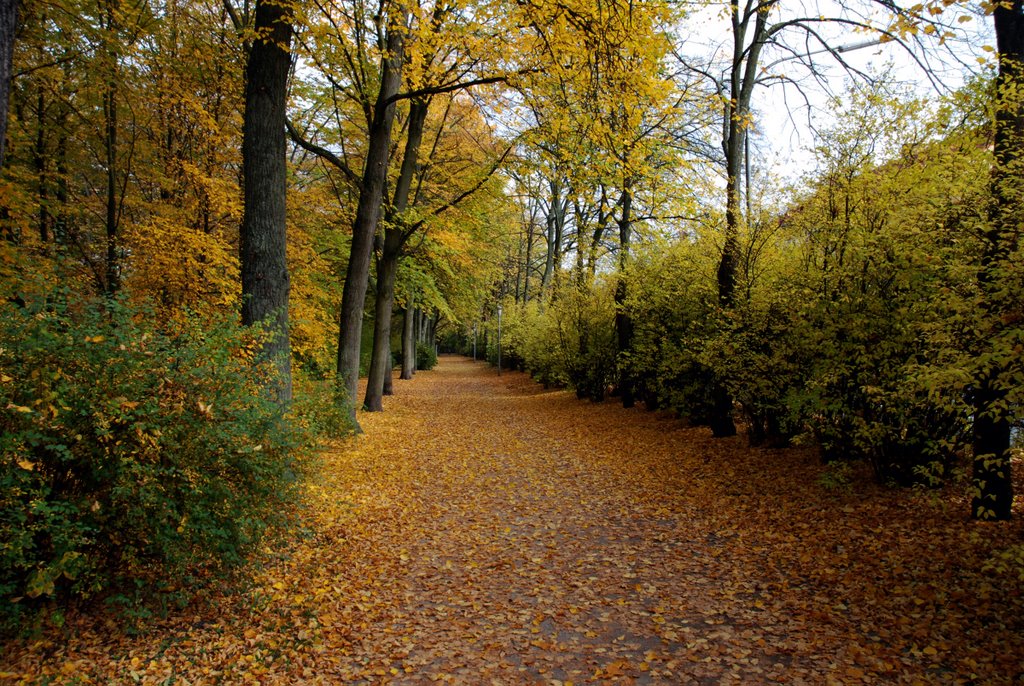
(319, 409)
(569, 340)
(426, 357)
(132, 455)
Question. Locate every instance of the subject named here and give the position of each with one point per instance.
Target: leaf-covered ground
(486, 531)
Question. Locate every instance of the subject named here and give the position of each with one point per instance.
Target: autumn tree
(435, 70)
(78, 72)
(264, 268)
(762, 28)
(997, 366)
(351, 29)
(416, 49)
(603, 113)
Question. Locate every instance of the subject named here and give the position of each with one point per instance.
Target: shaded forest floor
(486, 531)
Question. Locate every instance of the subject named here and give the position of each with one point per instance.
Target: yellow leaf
(26, 465)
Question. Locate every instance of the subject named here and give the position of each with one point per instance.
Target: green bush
(426, 357)
(132, 455)
(568, 340)
(319, 408)
(674, 327)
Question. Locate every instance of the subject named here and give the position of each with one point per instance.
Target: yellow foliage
(178, 266)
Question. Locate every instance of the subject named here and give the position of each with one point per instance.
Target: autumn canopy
(230, 231)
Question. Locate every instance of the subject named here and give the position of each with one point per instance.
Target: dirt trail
(483, 531)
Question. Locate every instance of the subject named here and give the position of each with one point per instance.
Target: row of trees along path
(484, 530)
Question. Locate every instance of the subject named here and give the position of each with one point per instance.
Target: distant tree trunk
(8, 30)
(549, 257)
(380, 364)
(599, 228)
(519, 273)
(60, 223)
(992, 419)
(721, 420)
(742, 79)
(529, 259)
(387, 266)
(559, 238)
(112, 281)
(41, 158)
(371, 196)
(593, 386)
(408, 342)
(581, 232)
(623, 322)
(555, 223)
(265, 280)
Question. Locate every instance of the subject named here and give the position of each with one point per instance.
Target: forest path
(485, 531)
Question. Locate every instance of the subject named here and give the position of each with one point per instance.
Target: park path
(484, 530)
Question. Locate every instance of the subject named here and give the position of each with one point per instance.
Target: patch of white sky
(799, 100)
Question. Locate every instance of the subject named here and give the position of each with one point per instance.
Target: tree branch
(322, 153)
(462, 196)
(450, 88)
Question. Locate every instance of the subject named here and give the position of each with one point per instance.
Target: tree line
(871, 307)
(195, 191)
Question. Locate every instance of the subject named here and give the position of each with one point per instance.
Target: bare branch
(462, 196)
(322, 153)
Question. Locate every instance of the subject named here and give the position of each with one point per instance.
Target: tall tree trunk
(113, 270)
(555, 220)
(408, 342)
(721, 420)
(60, 222)
(265, 280)
(599, 228)
(742, 79)
(8, 30)
(529, 259)
(559, 238)
(519, 271)
(380, 363)
(623, 322)
(591, 385)
(389, 378)
(992, 419)
(371, 195)
(581, 232)
(387, 267)
(41, 170)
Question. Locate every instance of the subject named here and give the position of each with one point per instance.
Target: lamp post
(499, 340)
